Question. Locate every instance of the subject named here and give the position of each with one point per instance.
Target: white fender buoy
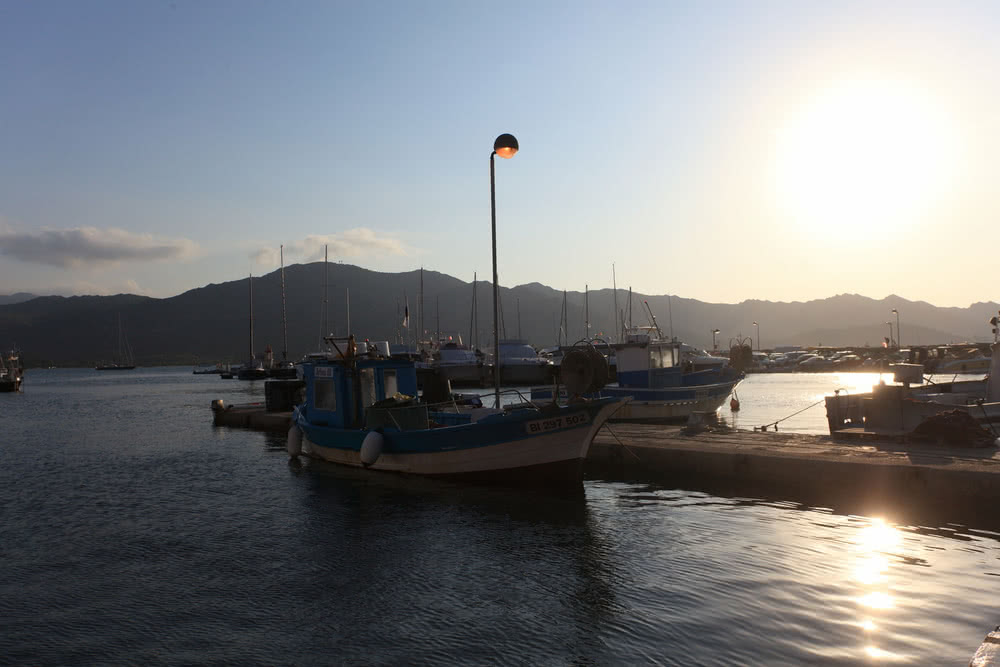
(294, 441)
(371, 448)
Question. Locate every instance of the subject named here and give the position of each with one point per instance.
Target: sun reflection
(877, 537)
(868, 625)
(876, 653)
(876, 600)
(861, 383)
(872, 570)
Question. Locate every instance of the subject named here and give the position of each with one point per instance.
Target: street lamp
(757, 327)
(890, 335)
(505, 146)
(714, 333)
(899, 338)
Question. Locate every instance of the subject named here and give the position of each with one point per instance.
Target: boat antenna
(652, 319)
(670, 314)
(629, 306)
(284, 319)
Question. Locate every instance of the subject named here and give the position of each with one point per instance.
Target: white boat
(522, 366)
(458, 364)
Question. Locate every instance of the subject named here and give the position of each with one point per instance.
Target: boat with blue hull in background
(361, 411)
(653, 373)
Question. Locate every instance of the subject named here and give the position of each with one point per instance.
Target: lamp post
(757, 327)
(899, 338)
(714, 333)
(890, 335)
(505, 146)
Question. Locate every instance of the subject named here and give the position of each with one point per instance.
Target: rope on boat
(775, 424)
(624, 446)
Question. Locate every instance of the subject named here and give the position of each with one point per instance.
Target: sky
(784, 151)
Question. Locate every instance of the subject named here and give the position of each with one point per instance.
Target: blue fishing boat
(361, 411)
(652, 371)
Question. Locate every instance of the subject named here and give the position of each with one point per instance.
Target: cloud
(357, 242)
(90, 247)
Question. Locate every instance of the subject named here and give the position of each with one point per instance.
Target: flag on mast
(406, 315)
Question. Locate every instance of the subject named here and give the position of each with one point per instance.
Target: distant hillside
(211, 323)
(19, 297)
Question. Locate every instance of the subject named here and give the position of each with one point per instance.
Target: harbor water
(132, 531)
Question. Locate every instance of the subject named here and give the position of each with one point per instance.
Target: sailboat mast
(614, 285)
(586, 311)
(437, 335)
(563, 322)
(420, 305)
(284, 319)
(519, 318)
(472, 316)
(324, 330)
(250, 282)
(348, 311)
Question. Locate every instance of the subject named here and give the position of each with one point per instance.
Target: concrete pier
(253, 416)
(815, 469)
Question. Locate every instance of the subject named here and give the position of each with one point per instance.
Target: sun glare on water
(864, 157)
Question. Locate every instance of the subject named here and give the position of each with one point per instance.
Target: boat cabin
(338, 393)
(647, 364)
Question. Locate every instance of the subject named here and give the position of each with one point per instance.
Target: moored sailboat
(124, 361)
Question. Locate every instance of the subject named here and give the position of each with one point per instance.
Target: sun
(864, 156)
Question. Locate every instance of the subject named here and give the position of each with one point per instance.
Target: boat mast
(586, 312)
(348, 311)
(437, 326)
(284, 319)
(614, 285)
(472, 316)
(323, 330)
(519, 318)
(250, 282)
(563, 322)
(420, 305)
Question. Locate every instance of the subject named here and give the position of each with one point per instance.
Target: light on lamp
(505, 146)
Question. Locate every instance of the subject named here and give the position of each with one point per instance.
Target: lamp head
(895, 311)
(505, 146)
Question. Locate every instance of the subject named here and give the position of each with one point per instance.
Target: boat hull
(535, 446)
(658, 405)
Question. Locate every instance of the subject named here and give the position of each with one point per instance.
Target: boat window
(655, 358)
(389, 381)
(325, 395)
(367, 387)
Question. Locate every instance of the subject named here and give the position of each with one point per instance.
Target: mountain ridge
(211, 323)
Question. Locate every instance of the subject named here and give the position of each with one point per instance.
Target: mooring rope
(615, 436)
(775, 424)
